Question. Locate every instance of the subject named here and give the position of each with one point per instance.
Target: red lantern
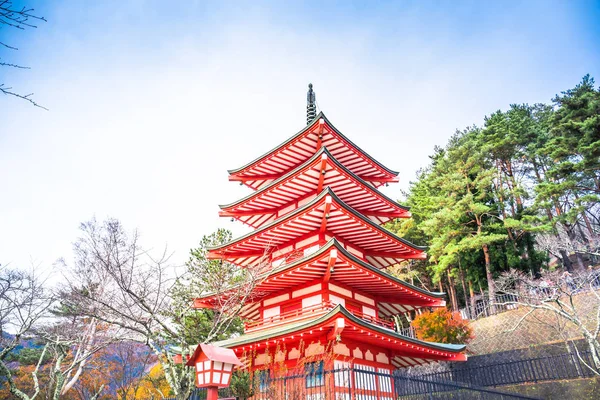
(214, 365)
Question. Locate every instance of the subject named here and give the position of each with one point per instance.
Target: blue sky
(151, 102)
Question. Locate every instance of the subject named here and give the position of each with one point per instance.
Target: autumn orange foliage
(153, 386)
(124, 371)
(443, 326)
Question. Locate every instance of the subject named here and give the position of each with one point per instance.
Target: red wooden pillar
(212, 393)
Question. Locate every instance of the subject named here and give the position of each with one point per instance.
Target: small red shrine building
(325, 300)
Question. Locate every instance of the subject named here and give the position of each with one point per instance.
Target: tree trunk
(98, 393)
(593, 345)
(490, 278)
(587, 222)
(502, 208)
(461, 276)
(530, 251)
(518, 198)
(452, 292)
(572, 238)
(472, 294)
(580, 262)
(566, 261)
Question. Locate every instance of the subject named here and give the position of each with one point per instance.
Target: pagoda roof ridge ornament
(311, 106)
(321, 115)
(316, 157)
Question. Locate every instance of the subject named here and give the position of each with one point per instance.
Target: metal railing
(359, 383)
(483, 308)
(531, 370)
(409, 332)
(415, 388)
(457, 383)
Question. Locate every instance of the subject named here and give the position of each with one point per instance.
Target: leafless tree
(26, 312)
(19, 19)
(559, 242)
(24, 303)
(123, 286)
(228, 287)
(72, 341)
(555, 292)
(132, 361)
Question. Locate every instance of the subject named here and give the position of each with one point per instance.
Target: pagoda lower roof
(406, 351)
(328, 216)
(333, 263)
(306, 181)
(300, 147)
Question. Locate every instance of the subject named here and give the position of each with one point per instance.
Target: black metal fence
(483, 308)
(338, 384)
(200, 394)
(360, 384)
(460, 382)
(414, 388)
(555, 367)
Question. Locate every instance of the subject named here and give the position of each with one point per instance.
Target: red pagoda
(325, 301)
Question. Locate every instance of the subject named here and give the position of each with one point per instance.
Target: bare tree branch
(18, 18)
(27, 97)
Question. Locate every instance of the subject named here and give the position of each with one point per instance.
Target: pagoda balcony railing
(309, 313)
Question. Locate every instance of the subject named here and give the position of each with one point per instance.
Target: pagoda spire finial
(311, 107)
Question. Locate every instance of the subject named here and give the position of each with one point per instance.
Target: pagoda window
(314, 374)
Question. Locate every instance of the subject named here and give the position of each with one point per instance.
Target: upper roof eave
(334, 243)
(326, 192)
(304, 130)
(311, 160)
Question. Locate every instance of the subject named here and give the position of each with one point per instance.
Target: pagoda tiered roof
(303, 183)
(333, 263)
(302, 146)
(405, 351)
(324, 217)
(318, 247)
